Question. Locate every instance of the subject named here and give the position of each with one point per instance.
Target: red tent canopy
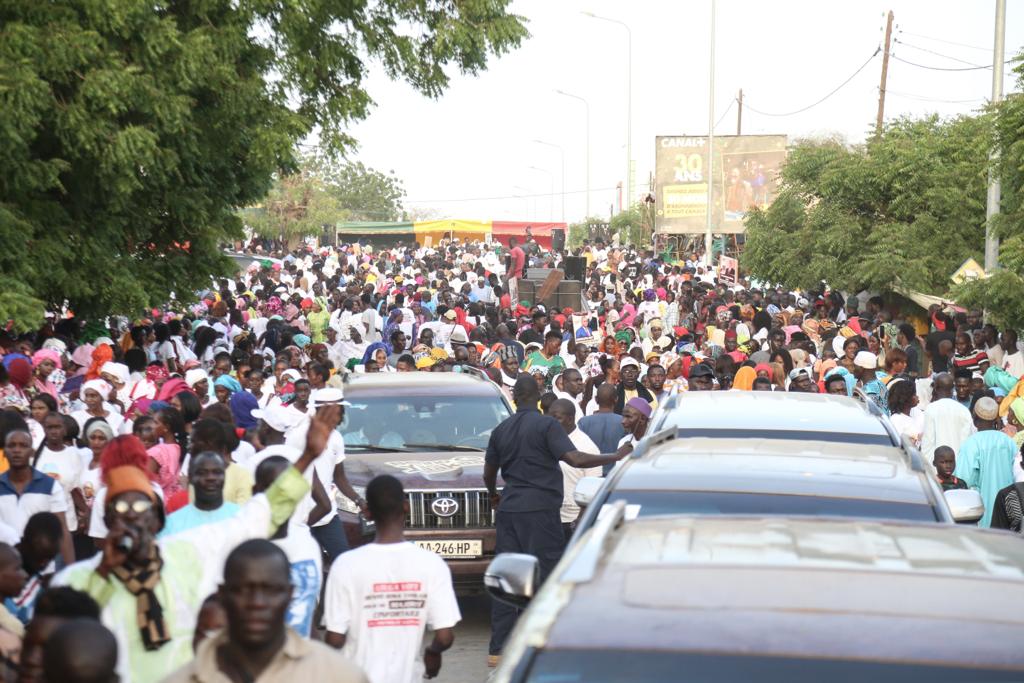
(502, 230)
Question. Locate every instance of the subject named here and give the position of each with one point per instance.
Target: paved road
(466, 662)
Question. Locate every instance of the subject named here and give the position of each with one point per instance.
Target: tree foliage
(903, 211)
(1002, 294)
(323, 192)
(130, 132)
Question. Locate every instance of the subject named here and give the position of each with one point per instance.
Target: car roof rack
(584, 566)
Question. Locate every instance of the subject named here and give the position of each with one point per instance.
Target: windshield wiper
(375, 447)
(445, 447)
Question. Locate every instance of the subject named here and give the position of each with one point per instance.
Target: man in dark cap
(526, 448)
(702, 377)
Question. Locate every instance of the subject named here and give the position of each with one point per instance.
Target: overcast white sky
(476, 141)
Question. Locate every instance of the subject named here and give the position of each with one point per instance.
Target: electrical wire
(510, 196)
(830, 94)
(725, 113)
(923, 98)
(938, 54)
(947, 42)
(940, 68)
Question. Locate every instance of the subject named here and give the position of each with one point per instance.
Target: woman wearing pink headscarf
(44, 362)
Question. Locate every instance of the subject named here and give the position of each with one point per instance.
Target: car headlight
(347, 505)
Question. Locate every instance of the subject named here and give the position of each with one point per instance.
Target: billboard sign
(744, 175)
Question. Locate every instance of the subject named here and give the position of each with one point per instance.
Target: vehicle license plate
(454, 548)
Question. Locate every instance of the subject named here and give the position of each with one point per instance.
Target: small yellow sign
(969, 270)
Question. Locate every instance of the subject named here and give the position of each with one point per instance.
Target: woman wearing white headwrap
(94, 392)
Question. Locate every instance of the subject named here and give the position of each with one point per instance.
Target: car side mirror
(965, 505)
(586, 490)
(513, 578)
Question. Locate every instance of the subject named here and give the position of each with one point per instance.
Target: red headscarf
(20, 372)
(171, 388)
(123, 450)
(100, 355)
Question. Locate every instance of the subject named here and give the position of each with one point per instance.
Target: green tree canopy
(1002, 294)
(131, 131)
(323, 192)
(903, 211)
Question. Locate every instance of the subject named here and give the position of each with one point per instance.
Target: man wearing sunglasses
(150, 589)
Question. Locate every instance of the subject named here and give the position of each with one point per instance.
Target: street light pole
(551, 183)
(587, 105)
(561, 152)
(711, 140)
(629, 104)
(994, 186)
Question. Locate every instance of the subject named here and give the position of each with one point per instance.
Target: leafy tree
(131, 131)
(1002, 294)
(323, 192)
(903, 211)
(364, 193)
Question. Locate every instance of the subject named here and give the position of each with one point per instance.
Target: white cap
(327, 396)
(194, 376)
(627, 361)
(458, 336)
(278, 417)
(865, 359)
(292, 374)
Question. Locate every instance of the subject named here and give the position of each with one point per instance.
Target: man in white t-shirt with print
(382, 597)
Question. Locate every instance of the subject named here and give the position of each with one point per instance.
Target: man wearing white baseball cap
(295, 538)
(329, 467)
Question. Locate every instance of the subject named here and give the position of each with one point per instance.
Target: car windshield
(610, 666)
(651, 503)
(421, 422)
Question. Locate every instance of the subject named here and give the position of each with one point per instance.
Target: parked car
(774, 415)
(430, 430)
(782, 477)
(769, 599)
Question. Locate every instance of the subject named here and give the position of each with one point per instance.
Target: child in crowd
(945, 462)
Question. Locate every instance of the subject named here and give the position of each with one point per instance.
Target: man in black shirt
(526, 449)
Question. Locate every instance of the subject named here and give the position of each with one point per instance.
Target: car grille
(474, 510)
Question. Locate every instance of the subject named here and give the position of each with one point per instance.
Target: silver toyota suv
(768, 599)
(790, 454)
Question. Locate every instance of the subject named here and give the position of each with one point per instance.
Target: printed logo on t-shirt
(306, 583)
(395, 604)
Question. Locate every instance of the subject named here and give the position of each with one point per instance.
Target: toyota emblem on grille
(444, 507)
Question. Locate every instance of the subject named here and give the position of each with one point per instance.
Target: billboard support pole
(711, 138)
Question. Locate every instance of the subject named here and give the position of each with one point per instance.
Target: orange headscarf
(744, 379)
(100, 355)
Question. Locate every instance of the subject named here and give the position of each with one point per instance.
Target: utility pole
(885, 73)
(739, 114)
(708, 172)
(994, 188)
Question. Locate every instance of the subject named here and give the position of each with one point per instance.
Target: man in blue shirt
(526, 448)
(604, 427)
(206, 477)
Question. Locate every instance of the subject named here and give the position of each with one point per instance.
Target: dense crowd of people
(169, 484)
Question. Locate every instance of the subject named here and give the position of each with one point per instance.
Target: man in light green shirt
(150, 589)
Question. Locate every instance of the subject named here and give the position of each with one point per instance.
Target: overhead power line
(947, 42)
(726, 112)
(939, 54)
(510, 196)
(830, 94)
(941, 68)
